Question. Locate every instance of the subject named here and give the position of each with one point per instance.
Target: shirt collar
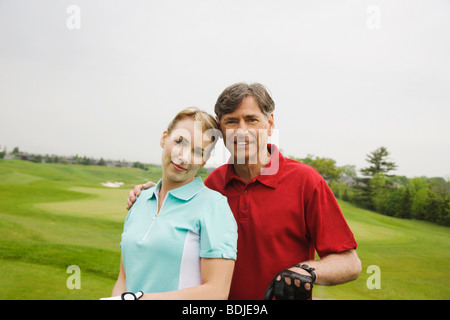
(270, 174)
(185, 192)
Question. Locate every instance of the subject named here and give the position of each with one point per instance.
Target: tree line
(420, 198)
(17, 154)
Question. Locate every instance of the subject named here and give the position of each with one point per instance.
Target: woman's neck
(168, 184)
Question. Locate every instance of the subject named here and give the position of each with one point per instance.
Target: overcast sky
(346, 76)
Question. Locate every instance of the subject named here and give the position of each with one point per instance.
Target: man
(285, 211)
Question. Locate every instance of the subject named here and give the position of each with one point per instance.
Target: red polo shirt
(283, 216)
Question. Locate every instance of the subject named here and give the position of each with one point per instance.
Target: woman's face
(184, 150)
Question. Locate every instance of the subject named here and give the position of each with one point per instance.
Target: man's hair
(233, 95)
(209, 124)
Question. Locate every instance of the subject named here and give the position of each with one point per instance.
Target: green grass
(53, 216)
(413, 257)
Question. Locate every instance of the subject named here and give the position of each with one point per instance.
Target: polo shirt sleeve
(326, 224)
(218, 231)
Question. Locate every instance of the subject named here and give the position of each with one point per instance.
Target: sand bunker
(112, 184)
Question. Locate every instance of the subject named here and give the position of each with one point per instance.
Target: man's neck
(247, 172)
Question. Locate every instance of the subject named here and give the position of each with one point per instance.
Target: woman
(179, 238)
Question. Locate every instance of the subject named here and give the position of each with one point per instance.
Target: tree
(404, 204)
(36, 158)
(101, 162)
(139, 165)
(2, 153)
(348, 171)
(378, 159)
(373, 190)
(86, 161)
(379, 189)
(325, 166)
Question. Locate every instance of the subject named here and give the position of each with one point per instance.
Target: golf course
(53, 216)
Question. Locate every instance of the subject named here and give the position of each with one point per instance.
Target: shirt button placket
(243, 203)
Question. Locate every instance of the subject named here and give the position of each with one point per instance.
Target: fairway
(53, 216)
(413, 258)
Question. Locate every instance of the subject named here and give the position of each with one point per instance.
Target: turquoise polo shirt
(162, 251)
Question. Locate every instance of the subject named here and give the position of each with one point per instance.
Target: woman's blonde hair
(209, 124)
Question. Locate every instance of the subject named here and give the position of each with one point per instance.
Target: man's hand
(291, 285)
(133, 194)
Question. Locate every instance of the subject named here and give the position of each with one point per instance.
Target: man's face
(246, 132)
